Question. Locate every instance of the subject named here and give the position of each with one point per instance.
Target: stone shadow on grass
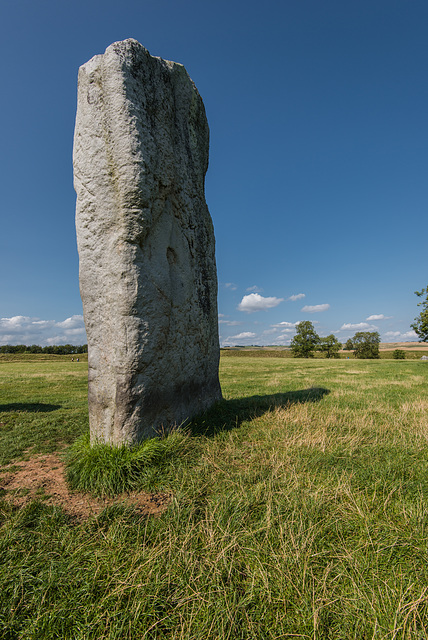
(229, 414)
(30, 407)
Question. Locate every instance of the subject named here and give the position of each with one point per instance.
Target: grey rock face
(145, 237)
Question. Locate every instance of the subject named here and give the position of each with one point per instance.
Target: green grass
(43, 404)
(104, 470)
(299, 510)
(285, 352)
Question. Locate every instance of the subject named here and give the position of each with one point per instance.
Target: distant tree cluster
(307, 341)
(63, 349)
(364, 344)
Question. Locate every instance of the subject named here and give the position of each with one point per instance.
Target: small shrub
(399, 354)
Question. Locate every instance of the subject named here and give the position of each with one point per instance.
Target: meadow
(297, 508)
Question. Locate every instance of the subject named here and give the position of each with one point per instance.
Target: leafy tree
(399, 354)
(366, 344)
(330, 346)
(82, 349)
(420, 325)
(20, 348)
(349, 346)
(305, 341)
(34, 349)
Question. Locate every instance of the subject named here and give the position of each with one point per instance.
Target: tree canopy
(305, 341)
(420, 325)
(62, 349)
(330, 346)
(366, 344)
(349, 345)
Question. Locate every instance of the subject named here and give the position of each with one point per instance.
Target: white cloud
(254, 288)
(297, 296)
(401, 337)
(410, 335)
(70, 323)
(26, 330)
(243, 337)
(282, 341)
(380, 316)
(231, 285)
(316, 308)
(14, 323)
(255, 302)
(244, 334)
(359, 326)
(221, 315)
(230, 323)
(280, 325)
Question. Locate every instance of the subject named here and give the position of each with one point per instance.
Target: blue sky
(317, 183)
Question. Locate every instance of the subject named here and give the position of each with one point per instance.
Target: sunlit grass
(298, 510)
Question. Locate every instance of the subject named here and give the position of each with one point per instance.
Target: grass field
(297, 509)
(412, 351)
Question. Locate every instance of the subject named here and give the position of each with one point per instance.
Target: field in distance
(413, 350)
(386, 346)
(406, 346)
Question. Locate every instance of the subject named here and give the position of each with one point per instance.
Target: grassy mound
(106, 470)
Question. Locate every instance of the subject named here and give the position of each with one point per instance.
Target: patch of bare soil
(42, 477)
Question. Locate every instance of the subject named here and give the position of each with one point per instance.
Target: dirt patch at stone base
(42, 477)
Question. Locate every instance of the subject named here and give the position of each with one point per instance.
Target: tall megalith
(145, 237)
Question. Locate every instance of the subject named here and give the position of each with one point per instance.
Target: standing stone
(145, 237)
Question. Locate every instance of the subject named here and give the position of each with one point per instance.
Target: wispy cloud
(315, 308)
(230, 323)
(230, 285)
(26, 330)
(400, 337)
(255, 302)
(254, 288)
(269, 332)
(297, 296)
(380, 316)
(282, 341)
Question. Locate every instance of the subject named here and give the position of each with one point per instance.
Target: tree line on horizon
(60, 350)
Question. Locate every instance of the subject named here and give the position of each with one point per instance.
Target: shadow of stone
(229, 414)
(33, 407)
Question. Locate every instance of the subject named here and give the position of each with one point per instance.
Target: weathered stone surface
(148, 277)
